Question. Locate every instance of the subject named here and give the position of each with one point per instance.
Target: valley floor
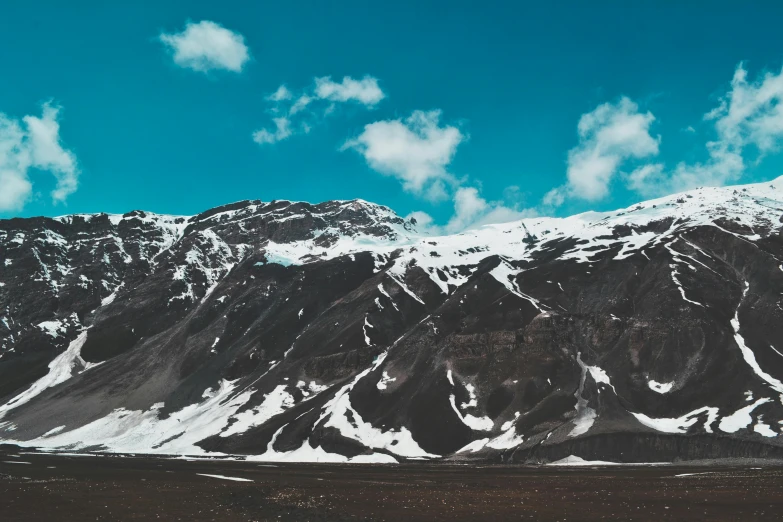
(58, 487)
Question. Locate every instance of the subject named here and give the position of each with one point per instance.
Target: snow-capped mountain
(338, 332)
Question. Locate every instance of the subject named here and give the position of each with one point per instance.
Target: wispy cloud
(281, 132)
(302, 110)
(34, 142)
(281, 94)
(207, 46)
(747, 125)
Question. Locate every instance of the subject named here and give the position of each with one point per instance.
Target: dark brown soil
(48, 487)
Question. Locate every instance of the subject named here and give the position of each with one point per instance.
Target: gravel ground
(58, 487)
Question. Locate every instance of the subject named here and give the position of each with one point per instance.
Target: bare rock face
(338, 332)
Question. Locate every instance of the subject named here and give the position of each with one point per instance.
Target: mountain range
(341, 332)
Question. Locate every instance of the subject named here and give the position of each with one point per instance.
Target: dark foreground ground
(48, 487)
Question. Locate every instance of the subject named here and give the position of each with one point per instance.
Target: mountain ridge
(338, 331)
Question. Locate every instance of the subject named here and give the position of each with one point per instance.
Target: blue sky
(470, 112)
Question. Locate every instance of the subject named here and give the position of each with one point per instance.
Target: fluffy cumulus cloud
(609, 136)
(416, 150)
(297, 112)
(365, 91)
(33, 142)
(207, 46)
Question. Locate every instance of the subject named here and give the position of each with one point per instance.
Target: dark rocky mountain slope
(338, 332)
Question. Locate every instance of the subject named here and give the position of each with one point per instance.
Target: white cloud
(468, 205)
(471, 211)
(645, 178)
(416, 151)
(608, 136)
(33, 142)
(751, 114)
(48, 154)
(365, 91)
(281, 94)
(308, 107)
(423, 221)
(748, 124)
(15, 190)
(554, 198)
(300, 104)
(205, 46)
(281, 132)
(748, 121)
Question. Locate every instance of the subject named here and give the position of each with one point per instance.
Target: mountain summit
(339, 332)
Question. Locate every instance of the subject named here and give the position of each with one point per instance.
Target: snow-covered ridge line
(701, 202)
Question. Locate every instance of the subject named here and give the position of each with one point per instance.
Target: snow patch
(747, 353)
(275, 403)
(660, 387)
(740, 418)
(679, 424)
(385, 380)
(61, 369)
(223, 477)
